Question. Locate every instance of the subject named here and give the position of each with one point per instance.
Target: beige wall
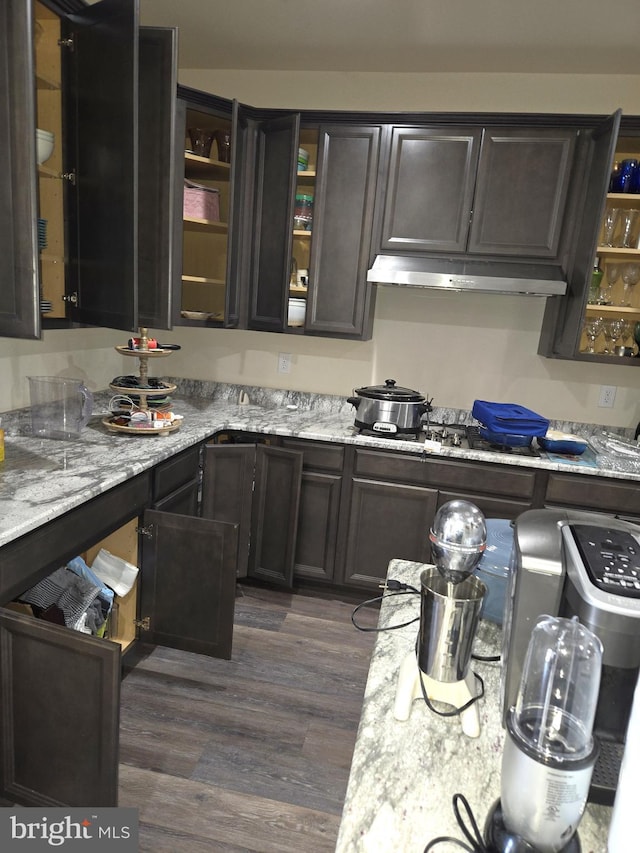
(453, 347)
(570, 93)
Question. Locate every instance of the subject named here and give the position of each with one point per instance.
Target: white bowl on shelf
(44, 145)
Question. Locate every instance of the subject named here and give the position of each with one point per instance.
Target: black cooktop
(454, 435)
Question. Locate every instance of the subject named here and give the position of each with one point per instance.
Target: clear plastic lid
(558, 693)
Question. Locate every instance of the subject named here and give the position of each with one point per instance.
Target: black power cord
(473, 835)
(391, 587)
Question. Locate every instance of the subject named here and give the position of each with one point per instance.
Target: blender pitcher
(60, 406)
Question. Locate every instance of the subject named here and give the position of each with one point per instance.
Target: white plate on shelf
(197, 315)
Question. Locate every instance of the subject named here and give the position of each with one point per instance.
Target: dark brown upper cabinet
(339, 299)
(106, 89)
(120, 107)
(477, 191)
(521, 192)
(564, 317)
(429, 189)
(334, 247)
(276, 145)
(209, 251)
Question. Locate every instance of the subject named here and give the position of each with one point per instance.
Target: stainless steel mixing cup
(449, 615)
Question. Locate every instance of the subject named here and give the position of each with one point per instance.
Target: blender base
(499, 840)
(455, 693)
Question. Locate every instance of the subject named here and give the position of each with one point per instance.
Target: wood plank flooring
(251, 754)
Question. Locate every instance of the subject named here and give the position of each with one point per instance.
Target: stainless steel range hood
(451, 274)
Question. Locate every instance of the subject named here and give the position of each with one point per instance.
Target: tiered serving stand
(143, 354)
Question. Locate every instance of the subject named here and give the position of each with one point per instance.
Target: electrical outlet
(284, 362)
(607, 396)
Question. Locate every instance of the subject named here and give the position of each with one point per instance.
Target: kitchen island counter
(41, 479)
(404, 774)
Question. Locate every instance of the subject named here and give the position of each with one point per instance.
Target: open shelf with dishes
(302, 227)
(206, 208)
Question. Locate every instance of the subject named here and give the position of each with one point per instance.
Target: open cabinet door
(19, 293)
(563, 317)
(188, 583)
(274, 516)
(101, 119)
(159, 252)
(276, 159)
(59, 714)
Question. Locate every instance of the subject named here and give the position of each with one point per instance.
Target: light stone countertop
(41, 479)
(404, 774)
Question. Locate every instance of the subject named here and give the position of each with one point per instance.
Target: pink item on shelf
(201, 202)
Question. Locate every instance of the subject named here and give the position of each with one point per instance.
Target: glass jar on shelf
(303, 212)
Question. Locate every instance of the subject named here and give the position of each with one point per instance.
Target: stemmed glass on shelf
(627, 331)
(612, 274)
(612, 330)
(592, 327)
(630, 277)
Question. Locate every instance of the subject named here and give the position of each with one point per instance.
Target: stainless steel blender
(450, 602)
(549, 750)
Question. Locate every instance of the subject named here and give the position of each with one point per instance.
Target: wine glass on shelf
(610, 222)
(627, 331)
(612, 274)
(630, 277)
(593, 327)
(611, 330)
(628, 236)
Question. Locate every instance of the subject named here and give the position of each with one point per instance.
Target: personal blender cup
(549, 749)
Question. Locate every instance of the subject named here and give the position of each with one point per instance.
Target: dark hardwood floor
(251, 754)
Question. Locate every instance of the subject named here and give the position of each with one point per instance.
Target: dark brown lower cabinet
(386, 521)
(59, 688)
(394, 497)
(60, 715)
(257, 488)
(319, 511)
(597, 494)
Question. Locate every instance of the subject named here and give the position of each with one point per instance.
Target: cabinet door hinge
(145, 531)
(69, 176)
(72, 297)
(144, 623)
(68, 43)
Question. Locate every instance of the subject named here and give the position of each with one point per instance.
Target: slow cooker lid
(390, 391)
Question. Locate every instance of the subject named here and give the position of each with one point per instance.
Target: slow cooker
(389, 408)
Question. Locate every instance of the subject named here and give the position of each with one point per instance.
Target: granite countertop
(404, 774)
(41, 479)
